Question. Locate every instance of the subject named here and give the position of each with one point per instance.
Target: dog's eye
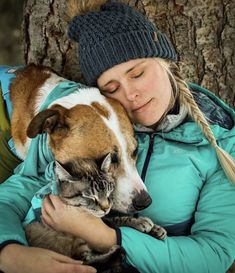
(59, 126)
(135, 152)
(115, 158)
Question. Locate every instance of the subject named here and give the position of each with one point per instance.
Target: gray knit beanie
(114, 35)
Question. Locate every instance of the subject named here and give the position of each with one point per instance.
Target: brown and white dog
(82, 125)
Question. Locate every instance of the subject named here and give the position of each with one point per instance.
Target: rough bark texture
(202, 31)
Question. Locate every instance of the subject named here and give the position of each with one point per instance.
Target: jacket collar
(189, 132)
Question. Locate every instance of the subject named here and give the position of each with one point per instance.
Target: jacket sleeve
(15, 200)
(209, 249)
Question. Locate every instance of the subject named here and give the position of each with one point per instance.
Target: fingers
(47, 205)
(66, 264)
(50, 205)
(52, 202)
(56, 202)
(48, 211)
(76, 268)
(65, 259)
(86, 269)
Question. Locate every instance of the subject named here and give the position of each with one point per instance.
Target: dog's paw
(158, 232)
(143, 224)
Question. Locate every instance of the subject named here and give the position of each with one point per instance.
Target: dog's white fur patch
(84, 96)
(46, 89)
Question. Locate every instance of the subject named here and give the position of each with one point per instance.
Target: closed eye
(138, 75)
(75, 195)
(115, 158)
(91, 197)
(110, 88)
(112, 91)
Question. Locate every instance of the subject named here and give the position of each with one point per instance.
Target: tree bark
(202, 31)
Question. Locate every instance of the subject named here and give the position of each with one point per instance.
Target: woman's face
(142, 86)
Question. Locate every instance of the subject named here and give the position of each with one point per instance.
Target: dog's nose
(142, 200)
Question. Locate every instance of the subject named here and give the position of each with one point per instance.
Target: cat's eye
(75, 195)
(92, 198)
(85, 195)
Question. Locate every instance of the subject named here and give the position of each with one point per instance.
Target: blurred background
(11, 45)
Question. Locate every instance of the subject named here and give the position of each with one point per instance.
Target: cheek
(165, 99)
(123, 101)
(147, 86)
(162, 91)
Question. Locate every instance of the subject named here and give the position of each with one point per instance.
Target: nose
(131, 92)
(142, 200)
(104, 205)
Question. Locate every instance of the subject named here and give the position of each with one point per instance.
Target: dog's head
(86, 125)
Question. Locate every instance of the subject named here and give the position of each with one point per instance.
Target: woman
(187, 174)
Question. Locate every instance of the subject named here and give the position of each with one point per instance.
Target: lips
(142, 107)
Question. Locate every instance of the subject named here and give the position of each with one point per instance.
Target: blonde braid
(186, 98)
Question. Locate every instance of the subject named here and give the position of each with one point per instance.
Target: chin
(145, 123)
(148, 123)
(99, 214)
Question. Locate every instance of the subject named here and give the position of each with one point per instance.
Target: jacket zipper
(149, 153)
(146, 162)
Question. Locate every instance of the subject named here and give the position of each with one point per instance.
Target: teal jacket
(192, 199)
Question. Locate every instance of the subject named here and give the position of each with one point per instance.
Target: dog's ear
(47, 121)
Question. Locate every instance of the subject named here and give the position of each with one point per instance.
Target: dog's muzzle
(142, 201)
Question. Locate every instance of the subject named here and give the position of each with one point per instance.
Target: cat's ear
(106, 163)
(61, 173)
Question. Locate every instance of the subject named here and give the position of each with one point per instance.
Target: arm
(15, 197)
(209, 248)
(27, 260)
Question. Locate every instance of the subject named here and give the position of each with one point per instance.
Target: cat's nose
(142, 200)
(104, 205)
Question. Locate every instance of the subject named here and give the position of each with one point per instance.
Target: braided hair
(182, 93)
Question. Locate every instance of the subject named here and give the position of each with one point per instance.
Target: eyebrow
(129, 70)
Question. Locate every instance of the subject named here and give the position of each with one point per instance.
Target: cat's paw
(158, 232)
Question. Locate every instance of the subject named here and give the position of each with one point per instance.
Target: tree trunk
(202, 31)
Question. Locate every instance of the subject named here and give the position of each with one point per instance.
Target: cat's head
(86, 183)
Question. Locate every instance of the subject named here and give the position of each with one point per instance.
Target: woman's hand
(21, 259)
(78, 222)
